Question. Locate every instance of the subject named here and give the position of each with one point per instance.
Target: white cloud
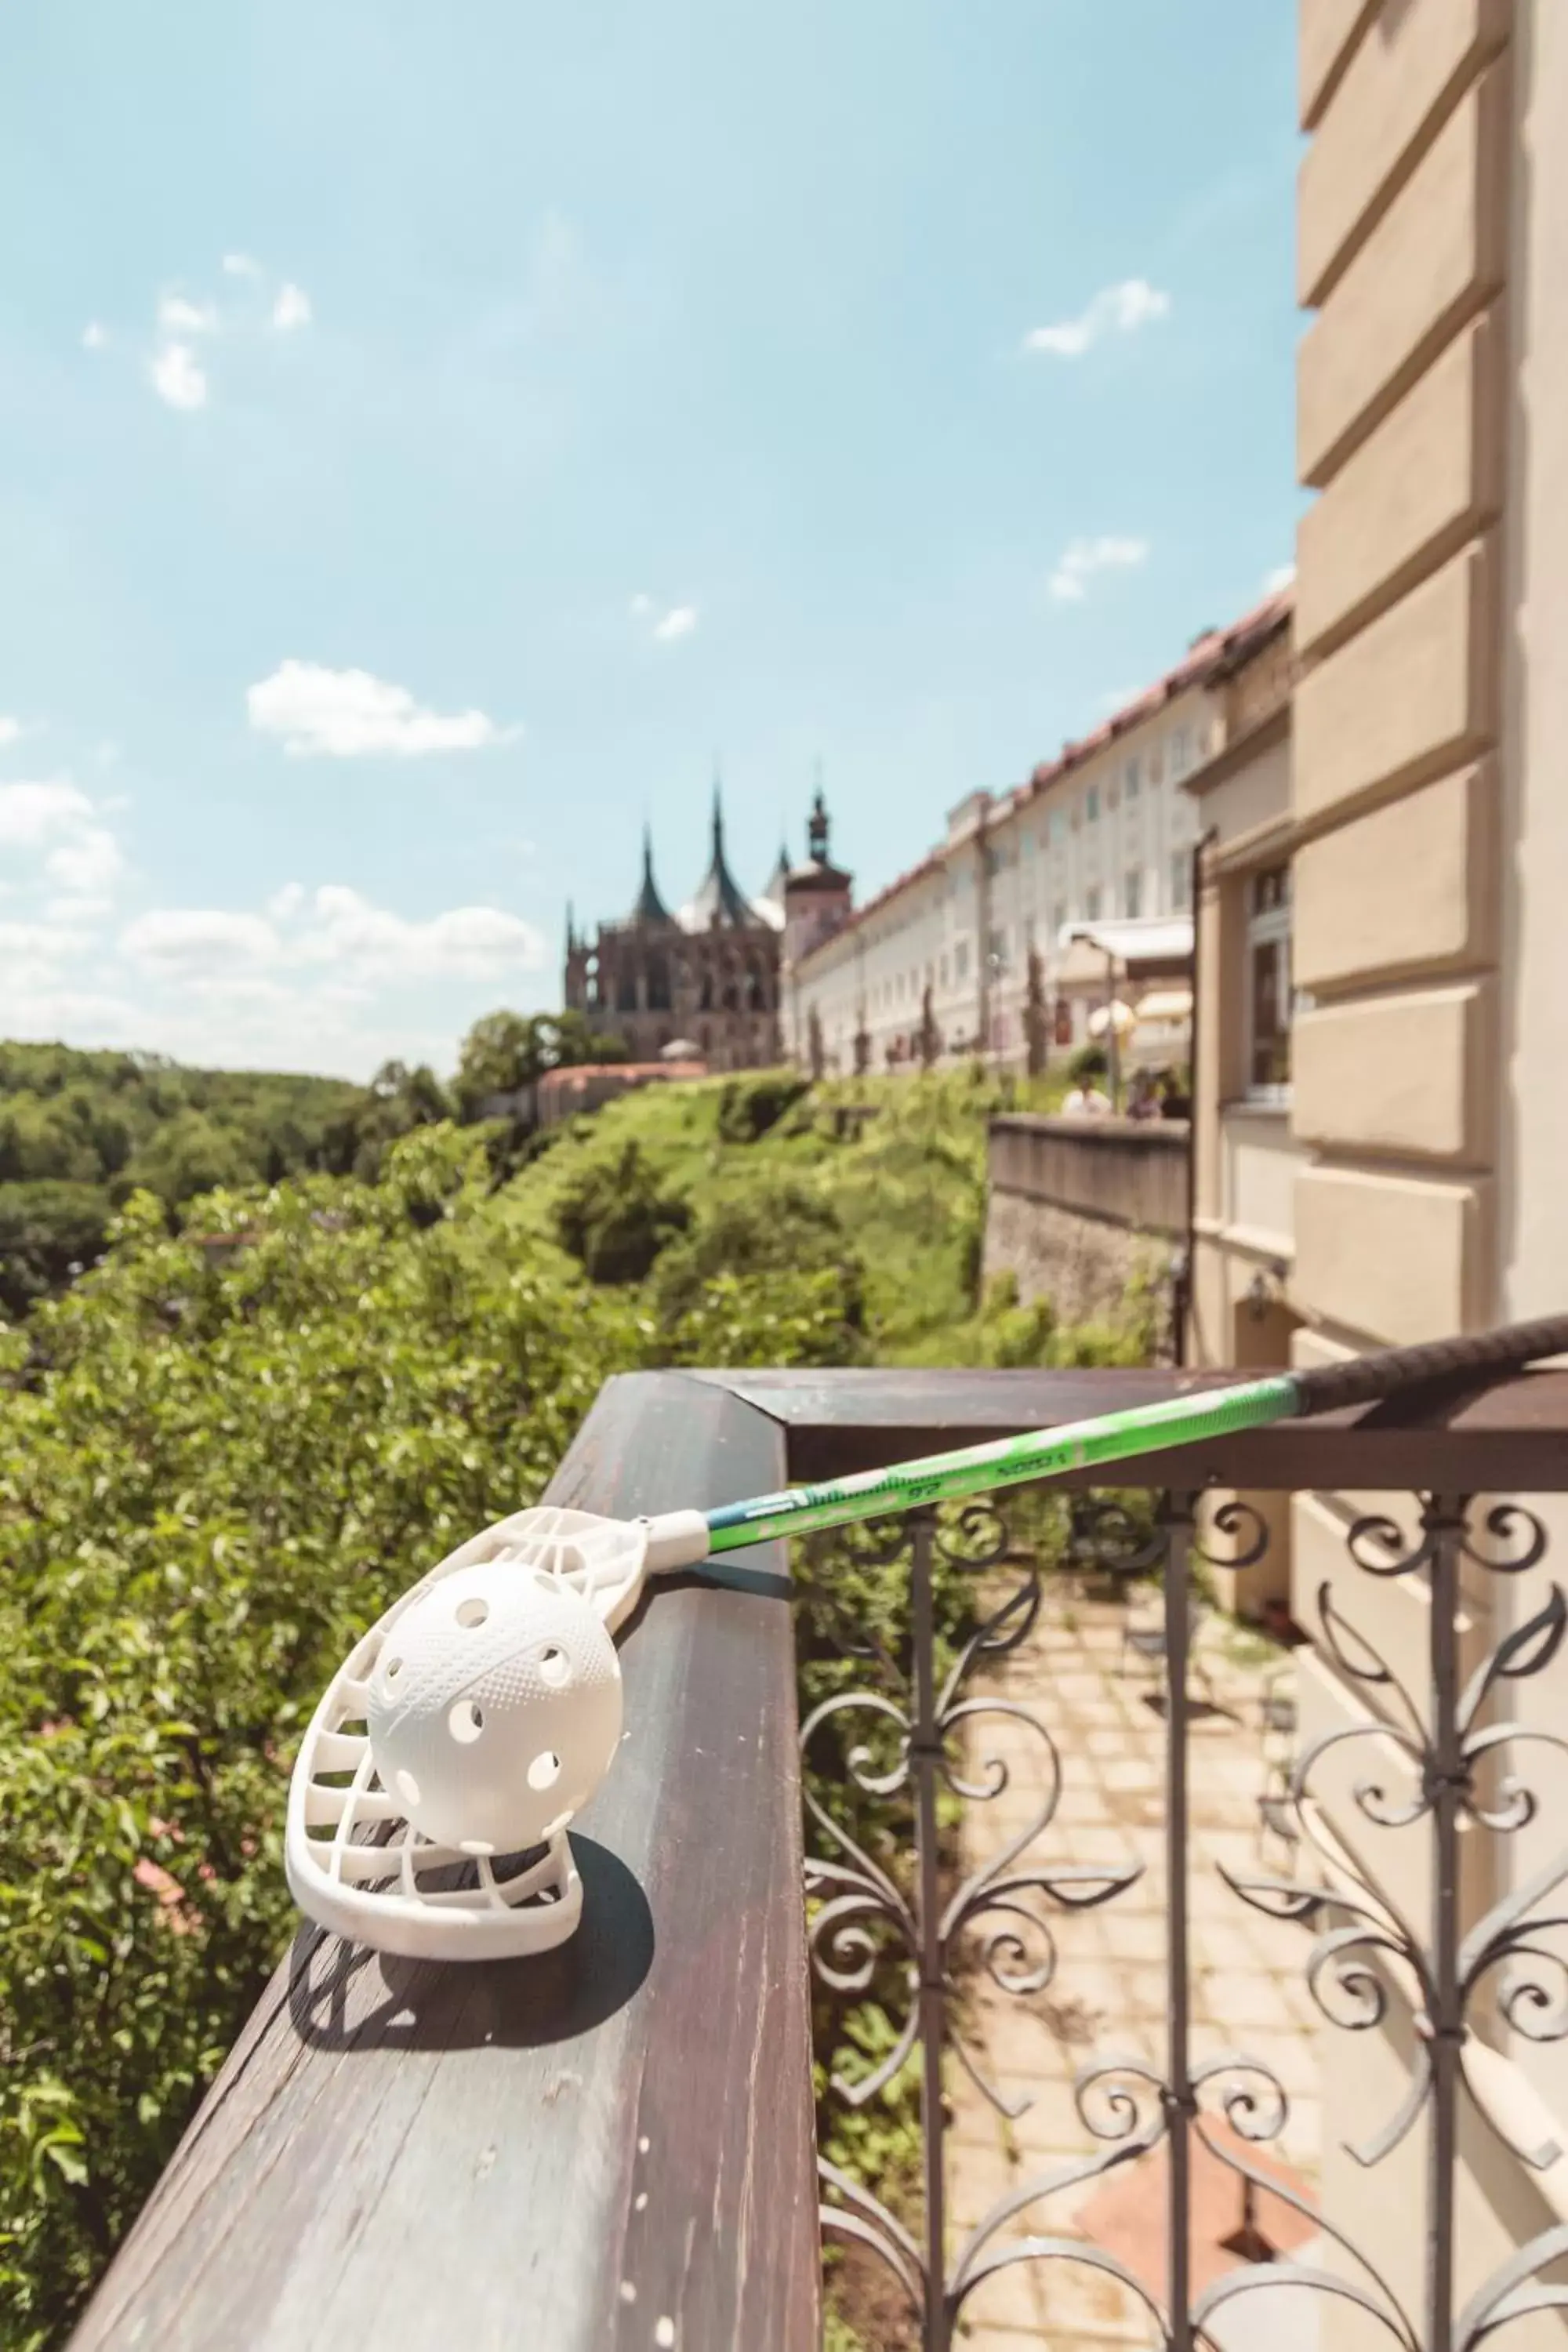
(346, 713)
(10, 730)
(28, 945)
(240, 265)
(94, 336)
(34, 815)
(177, 315)
(333, 928)
(317, 979)
(86, 866)
(192, 938)
(666, 624)
(1276, 581)
(1117, 310)
(466, 942)
(292, 308)
(55, 830)
(178, 376)
(1084, 557)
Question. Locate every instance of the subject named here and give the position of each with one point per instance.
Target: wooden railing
(612, 2146)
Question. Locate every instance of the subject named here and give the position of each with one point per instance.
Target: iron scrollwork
(1445, 1764)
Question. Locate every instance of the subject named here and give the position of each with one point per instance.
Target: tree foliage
(227, 1447)
(615, 1216)
(506, 1053)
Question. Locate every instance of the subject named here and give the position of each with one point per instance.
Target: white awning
(1166, 1005)
(1154, 939)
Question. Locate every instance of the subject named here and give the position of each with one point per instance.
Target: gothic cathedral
(706, 978)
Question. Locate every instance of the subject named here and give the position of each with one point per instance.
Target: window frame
(1268, 923)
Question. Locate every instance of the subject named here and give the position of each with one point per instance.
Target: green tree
(505, 1053)
(1036, 1024)
(615, 1216)
(929, 1038)
(187, 1154)
(48, 1232)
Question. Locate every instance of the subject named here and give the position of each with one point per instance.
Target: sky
(433, 442)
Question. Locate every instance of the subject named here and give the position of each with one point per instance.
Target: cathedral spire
(720, 898)
(817, 830)
(650, 907)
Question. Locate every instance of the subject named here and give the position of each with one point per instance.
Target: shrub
(1089, 1062)
(48, 1231)
(212, 1476)
(750, 1106)
(776, 1227)
(615, 1216)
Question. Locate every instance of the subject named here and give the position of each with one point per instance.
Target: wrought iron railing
(917, 1726)
(612, 2146)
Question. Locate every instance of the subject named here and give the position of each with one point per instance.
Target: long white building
(1089, 864)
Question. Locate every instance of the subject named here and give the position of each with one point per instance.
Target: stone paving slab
(1108, 1992)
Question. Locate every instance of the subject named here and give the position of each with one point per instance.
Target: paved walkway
(1109, 1993)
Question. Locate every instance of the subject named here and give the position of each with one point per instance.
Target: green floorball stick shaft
(1118, 1436)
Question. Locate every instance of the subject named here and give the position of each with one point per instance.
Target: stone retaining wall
(1081, 1209)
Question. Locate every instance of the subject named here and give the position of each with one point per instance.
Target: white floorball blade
(512, 1719)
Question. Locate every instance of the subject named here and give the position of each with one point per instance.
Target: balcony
(615, 2146)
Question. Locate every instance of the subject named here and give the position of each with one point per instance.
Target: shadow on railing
(612, 2145)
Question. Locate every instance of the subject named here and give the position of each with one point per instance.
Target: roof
(1211, 657)
(817, 874)
(1206, 660)
(768, 906)
(648, 907)
(719, 898)
(571, 1077)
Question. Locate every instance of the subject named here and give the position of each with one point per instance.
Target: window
(999, 950)
(1269, 981)
(1091, 805)
(960, 959)
(1132, 778)
(1091, 904)
(1132, 893)
(1058, 826)
(942, 969)
(1181, 881)
(1180, 751)
(1059, 916)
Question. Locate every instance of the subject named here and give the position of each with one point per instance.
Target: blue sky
(431, 436)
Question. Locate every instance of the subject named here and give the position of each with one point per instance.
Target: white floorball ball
(495, 1707)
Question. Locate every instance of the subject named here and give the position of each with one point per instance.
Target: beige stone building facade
(1408, 1179)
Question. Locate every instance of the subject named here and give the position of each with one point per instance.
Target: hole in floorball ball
(473, 1612)
(556, 1668)
(544, 1771)
(394, 1669)
(465, 1721)
(407, 1788)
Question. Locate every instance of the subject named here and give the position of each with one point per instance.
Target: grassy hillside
(893, 1168)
